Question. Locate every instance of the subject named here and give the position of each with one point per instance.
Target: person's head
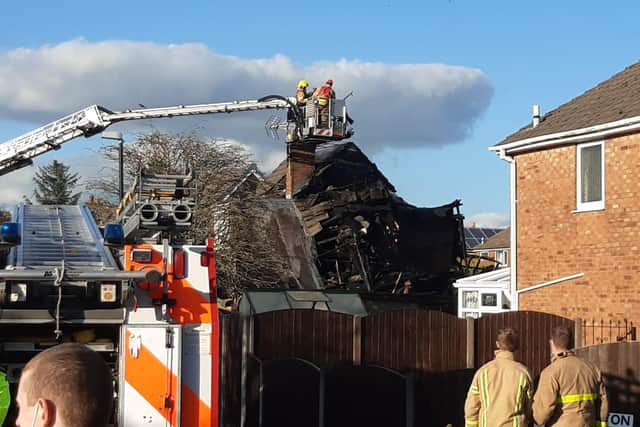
(561, 339)
(68, 385)
(508, 339)
(406, 286)
(330, 82)
(302, 84)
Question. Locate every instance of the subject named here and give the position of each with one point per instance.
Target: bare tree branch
(234, 216)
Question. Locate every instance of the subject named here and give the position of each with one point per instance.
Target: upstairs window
(590, 175)
(501, 257)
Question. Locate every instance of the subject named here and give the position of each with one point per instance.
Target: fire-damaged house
(359, 233)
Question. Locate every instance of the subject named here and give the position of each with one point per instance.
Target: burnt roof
(365, 235)
(612, 100)
(344, 155)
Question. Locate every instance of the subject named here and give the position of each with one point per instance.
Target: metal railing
(592, 331)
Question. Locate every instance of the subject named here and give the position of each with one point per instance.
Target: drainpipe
(513, 220)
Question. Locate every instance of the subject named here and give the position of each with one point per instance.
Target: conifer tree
(55, 185)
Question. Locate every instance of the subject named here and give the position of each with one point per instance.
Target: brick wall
(604, 245)
(300, 166)
(493, 254)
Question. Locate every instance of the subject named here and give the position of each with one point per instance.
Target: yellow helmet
(303, 84)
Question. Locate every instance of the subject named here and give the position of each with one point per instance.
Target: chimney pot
(536, 115)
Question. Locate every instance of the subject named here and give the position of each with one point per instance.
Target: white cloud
(488, 220)
(403, 105)
(15, 185)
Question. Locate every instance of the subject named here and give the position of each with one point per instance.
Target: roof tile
(612, 100)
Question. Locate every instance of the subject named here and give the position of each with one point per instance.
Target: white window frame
(598, 204)
(483, 309)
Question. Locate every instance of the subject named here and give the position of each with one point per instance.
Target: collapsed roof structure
(359, 233)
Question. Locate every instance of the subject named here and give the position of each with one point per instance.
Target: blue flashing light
(113, 234)
(10, 232)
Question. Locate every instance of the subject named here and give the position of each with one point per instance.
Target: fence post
(357, 340)
(577, 332)
(471, 348)
(247, 347)
(224, 349)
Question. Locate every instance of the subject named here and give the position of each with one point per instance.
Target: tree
(236, 218)
(55, 185)
(103, 211)
(5, 216)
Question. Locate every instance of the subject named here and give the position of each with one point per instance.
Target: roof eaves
(481, 247)
(569, 137)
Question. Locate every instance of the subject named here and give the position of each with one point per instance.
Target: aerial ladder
(131, 291)
(301, 125)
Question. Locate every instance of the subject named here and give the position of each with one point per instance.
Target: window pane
(470, 299)
(591, 174)
(489, 300)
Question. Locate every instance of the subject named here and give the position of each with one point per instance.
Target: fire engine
(132, 290)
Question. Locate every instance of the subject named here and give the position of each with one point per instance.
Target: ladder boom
(191, 110)
(19, 152)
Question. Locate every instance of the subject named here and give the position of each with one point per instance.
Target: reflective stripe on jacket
(301, 96)
(500, 394)
(570, 393)
(323, 93)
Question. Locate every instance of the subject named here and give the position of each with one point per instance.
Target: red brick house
(495, 247)
(575, 204)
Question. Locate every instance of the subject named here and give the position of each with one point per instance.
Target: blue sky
(535, 52)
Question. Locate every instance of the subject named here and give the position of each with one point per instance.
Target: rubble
(367, 237)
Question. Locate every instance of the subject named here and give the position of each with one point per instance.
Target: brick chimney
(300, 166)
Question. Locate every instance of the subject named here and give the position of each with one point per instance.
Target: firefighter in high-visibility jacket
(322, 95)
(301, 93)
(571, 392)
(501, 390)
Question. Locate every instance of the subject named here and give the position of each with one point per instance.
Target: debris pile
(366, 237)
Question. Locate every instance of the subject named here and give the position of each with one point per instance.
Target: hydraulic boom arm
(19, 152)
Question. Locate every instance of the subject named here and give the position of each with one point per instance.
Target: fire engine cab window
(590, 174)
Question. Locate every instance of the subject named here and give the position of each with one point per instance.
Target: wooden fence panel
(414, 340)
(431, 345)
(534, 328)
(440, 397)
(230, 368)
(322, 337)
(620, 366)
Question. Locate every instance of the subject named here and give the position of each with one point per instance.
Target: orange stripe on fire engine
(195, 413)
(150, 377)
(192, 307)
